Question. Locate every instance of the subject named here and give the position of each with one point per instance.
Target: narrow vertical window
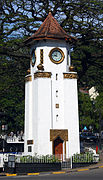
(56, 93)
(33, 57)
(56, 76)
(68, 58)
(57, 117)
(29, 149)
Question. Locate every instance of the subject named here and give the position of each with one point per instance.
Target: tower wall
(43, 106)
(51, 103)
(38, 117)
(49, 66)
(28, 111)
(58, 101)
(71, 117)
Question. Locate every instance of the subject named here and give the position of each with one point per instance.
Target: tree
(82, 19)
(21, 18)
(98, 105)
(86, 113)
(12, 75)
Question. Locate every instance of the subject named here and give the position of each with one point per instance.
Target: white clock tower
(51, 98)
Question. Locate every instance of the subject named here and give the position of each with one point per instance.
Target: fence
(29, 164)
(38, 159)
(85, 158)
(76, 158)
(23, 164)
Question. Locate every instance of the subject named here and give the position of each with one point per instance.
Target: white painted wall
(71, 116)
(28, 113)
(41, 98)
(47, 46)
(42, 120)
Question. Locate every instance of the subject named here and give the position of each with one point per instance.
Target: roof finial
(50, 9)
(40, 67)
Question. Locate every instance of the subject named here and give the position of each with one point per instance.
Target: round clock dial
(56, 55)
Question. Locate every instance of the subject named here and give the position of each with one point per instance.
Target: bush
(83, 158)
(39, 159)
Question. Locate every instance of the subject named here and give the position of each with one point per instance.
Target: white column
(28, 111)
(71, 115)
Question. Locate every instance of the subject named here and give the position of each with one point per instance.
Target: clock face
(56, 55)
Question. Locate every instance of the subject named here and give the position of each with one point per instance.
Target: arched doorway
(58, 147)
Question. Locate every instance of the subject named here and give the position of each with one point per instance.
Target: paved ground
(91, 167)
(85, 175)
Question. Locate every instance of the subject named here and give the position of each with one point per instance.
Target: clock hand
(55, 55)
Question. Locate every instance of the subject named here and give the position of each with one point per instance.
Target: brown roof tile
(50, 29)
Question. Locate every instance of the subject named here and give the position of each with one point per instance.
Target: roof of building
(50, 29)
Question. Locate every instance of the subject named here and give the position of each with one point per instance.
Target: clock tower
(51, 98)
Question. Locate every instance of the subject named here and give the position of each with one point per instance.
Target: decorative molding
(41, 56)
(62, 133)
(70, 76)
(42, 75)
(40, 67)
(28, 78)
(71, 68)
(29, 142)
(28, 71)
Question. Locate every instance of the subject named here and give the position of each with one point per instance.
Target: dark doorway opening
(58, 147)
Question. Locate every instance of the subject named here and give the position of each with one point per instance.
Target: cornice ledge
(28, 78)
(70, 75)
(42, 75)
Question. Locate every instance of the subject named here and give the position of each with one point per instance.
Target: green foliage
(85, 110)
(98, 106)
(91, 111)
(18, 20)
(99, 102)
(12, 93)
(84, 158)
(38, 159)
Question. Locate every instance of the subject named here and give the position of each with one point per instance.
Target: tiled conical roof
(50, 29)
